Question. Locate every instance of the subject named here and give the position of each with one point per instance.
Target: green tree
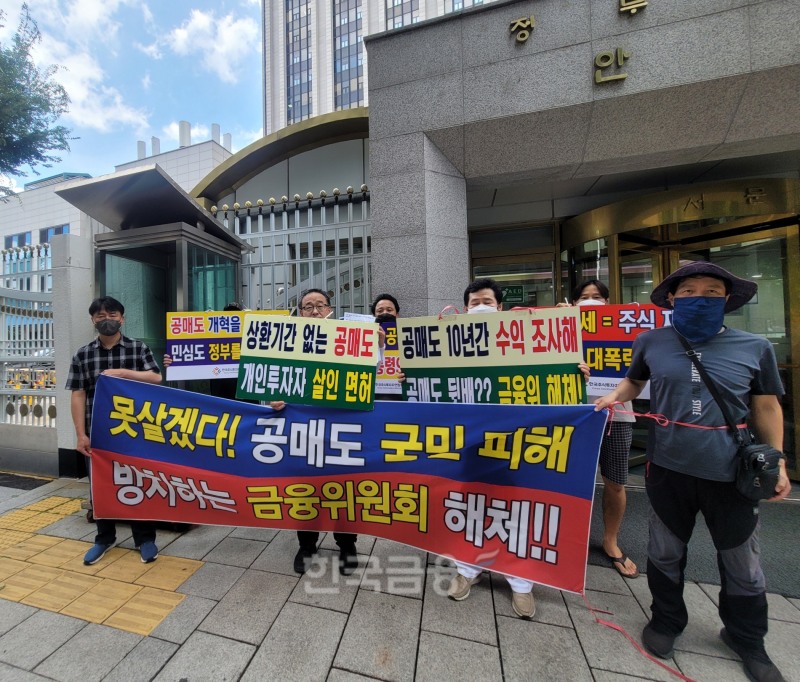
(31, 103)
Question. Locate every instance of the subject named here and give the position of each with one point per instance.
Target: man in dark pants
(316, 303)
(114, 355)
(691, 470)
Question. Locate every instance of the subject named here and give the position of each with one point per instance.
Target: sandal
(618, 562)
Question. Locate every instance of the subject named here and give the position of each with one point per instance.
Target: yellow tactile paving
(49, 503)
(61, 592)
(68, 508)
(61, 553)
(9, 538)
(12, 519)
(169, 573)
(20, 585)
(48, 573)
(30, 547)
(145, 611)
(110, 557)
(100, 602)
(128, 568)
(37, 522)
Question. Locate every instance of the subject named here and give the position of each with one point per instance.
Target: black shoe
(657, 643)
(348, 559)
(302, 560)
(757, 665)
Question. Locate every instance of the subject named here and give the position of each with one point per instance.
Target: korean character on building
(301, 501)
(266, 502)
(603, 60)
(632, 6)
(522, 28)
(466, 516)
(375, 500)
(339, 500)
(411, 506)
(272, 442)
(325, 384)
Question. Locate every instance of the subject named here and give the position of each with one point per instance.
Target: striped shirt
(90, 361)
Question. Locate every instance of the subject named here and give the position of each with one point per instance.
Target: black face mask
(108, 327)
(385, 317)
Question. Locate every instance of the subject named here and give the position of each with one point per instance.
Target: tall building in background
(314, 58)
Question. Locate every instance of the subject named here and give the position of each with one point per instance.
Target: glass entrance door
(765, 260)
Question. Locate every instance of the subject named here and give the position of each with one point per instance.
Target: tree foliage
(31, 103)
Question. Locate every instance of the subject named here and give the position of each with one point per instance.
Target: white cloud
(94, 104)
(153, 50)
(148, 15)
(222, 44)
(242, 138)
(86, 22)
(146, 82)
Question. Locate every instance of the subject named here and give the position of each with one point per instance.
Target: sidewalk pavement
(223, 603)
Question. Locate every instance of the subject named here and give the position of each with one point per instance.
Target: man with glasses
(317, 304)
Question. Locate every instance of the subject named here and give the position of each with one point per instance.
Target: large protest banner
(528, 356)
(608, 335)
(309, 361)
(509, 488)
(206, 345)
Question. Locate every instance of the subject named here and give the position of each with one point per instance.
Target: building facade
(541, 142)
(313, 51)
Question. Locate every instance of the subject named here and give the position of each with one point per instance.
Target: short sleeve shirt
(90, 361)
(740, 363)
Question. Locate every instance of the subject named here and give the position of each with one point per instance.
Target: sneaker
(460, 586)
(523, 603)
(302, 559)
(348, 559)
(96, 553)
(658, 643)
(757, 665)
(149, 552)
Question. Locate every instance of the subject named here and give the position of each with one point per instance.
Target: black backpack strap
(712, 388)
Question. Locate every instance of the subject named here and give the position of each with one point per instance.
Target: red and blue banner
(507, 487)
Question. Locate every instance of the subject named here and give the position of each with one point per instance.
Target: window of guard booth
(212, 280)
(527, 284)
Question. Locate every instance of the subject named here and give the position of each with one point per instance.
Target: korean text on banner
(608, 332)
(528, 356)
(509, 488)
(308, 361)
(206, 345)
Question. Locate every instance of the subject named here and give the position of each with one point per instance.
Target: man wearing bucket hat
(692, 460)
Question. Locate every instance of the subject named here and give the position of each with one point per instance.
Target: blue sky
(134, 69)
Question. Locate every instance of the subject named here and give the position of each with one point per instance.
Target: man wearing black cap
(691, 470)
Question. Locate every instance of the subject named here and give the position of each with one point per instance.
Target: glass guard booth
(748, 227)
(161, 252)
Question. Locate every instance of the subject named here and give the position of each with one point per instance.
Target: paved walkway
(224, 604)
